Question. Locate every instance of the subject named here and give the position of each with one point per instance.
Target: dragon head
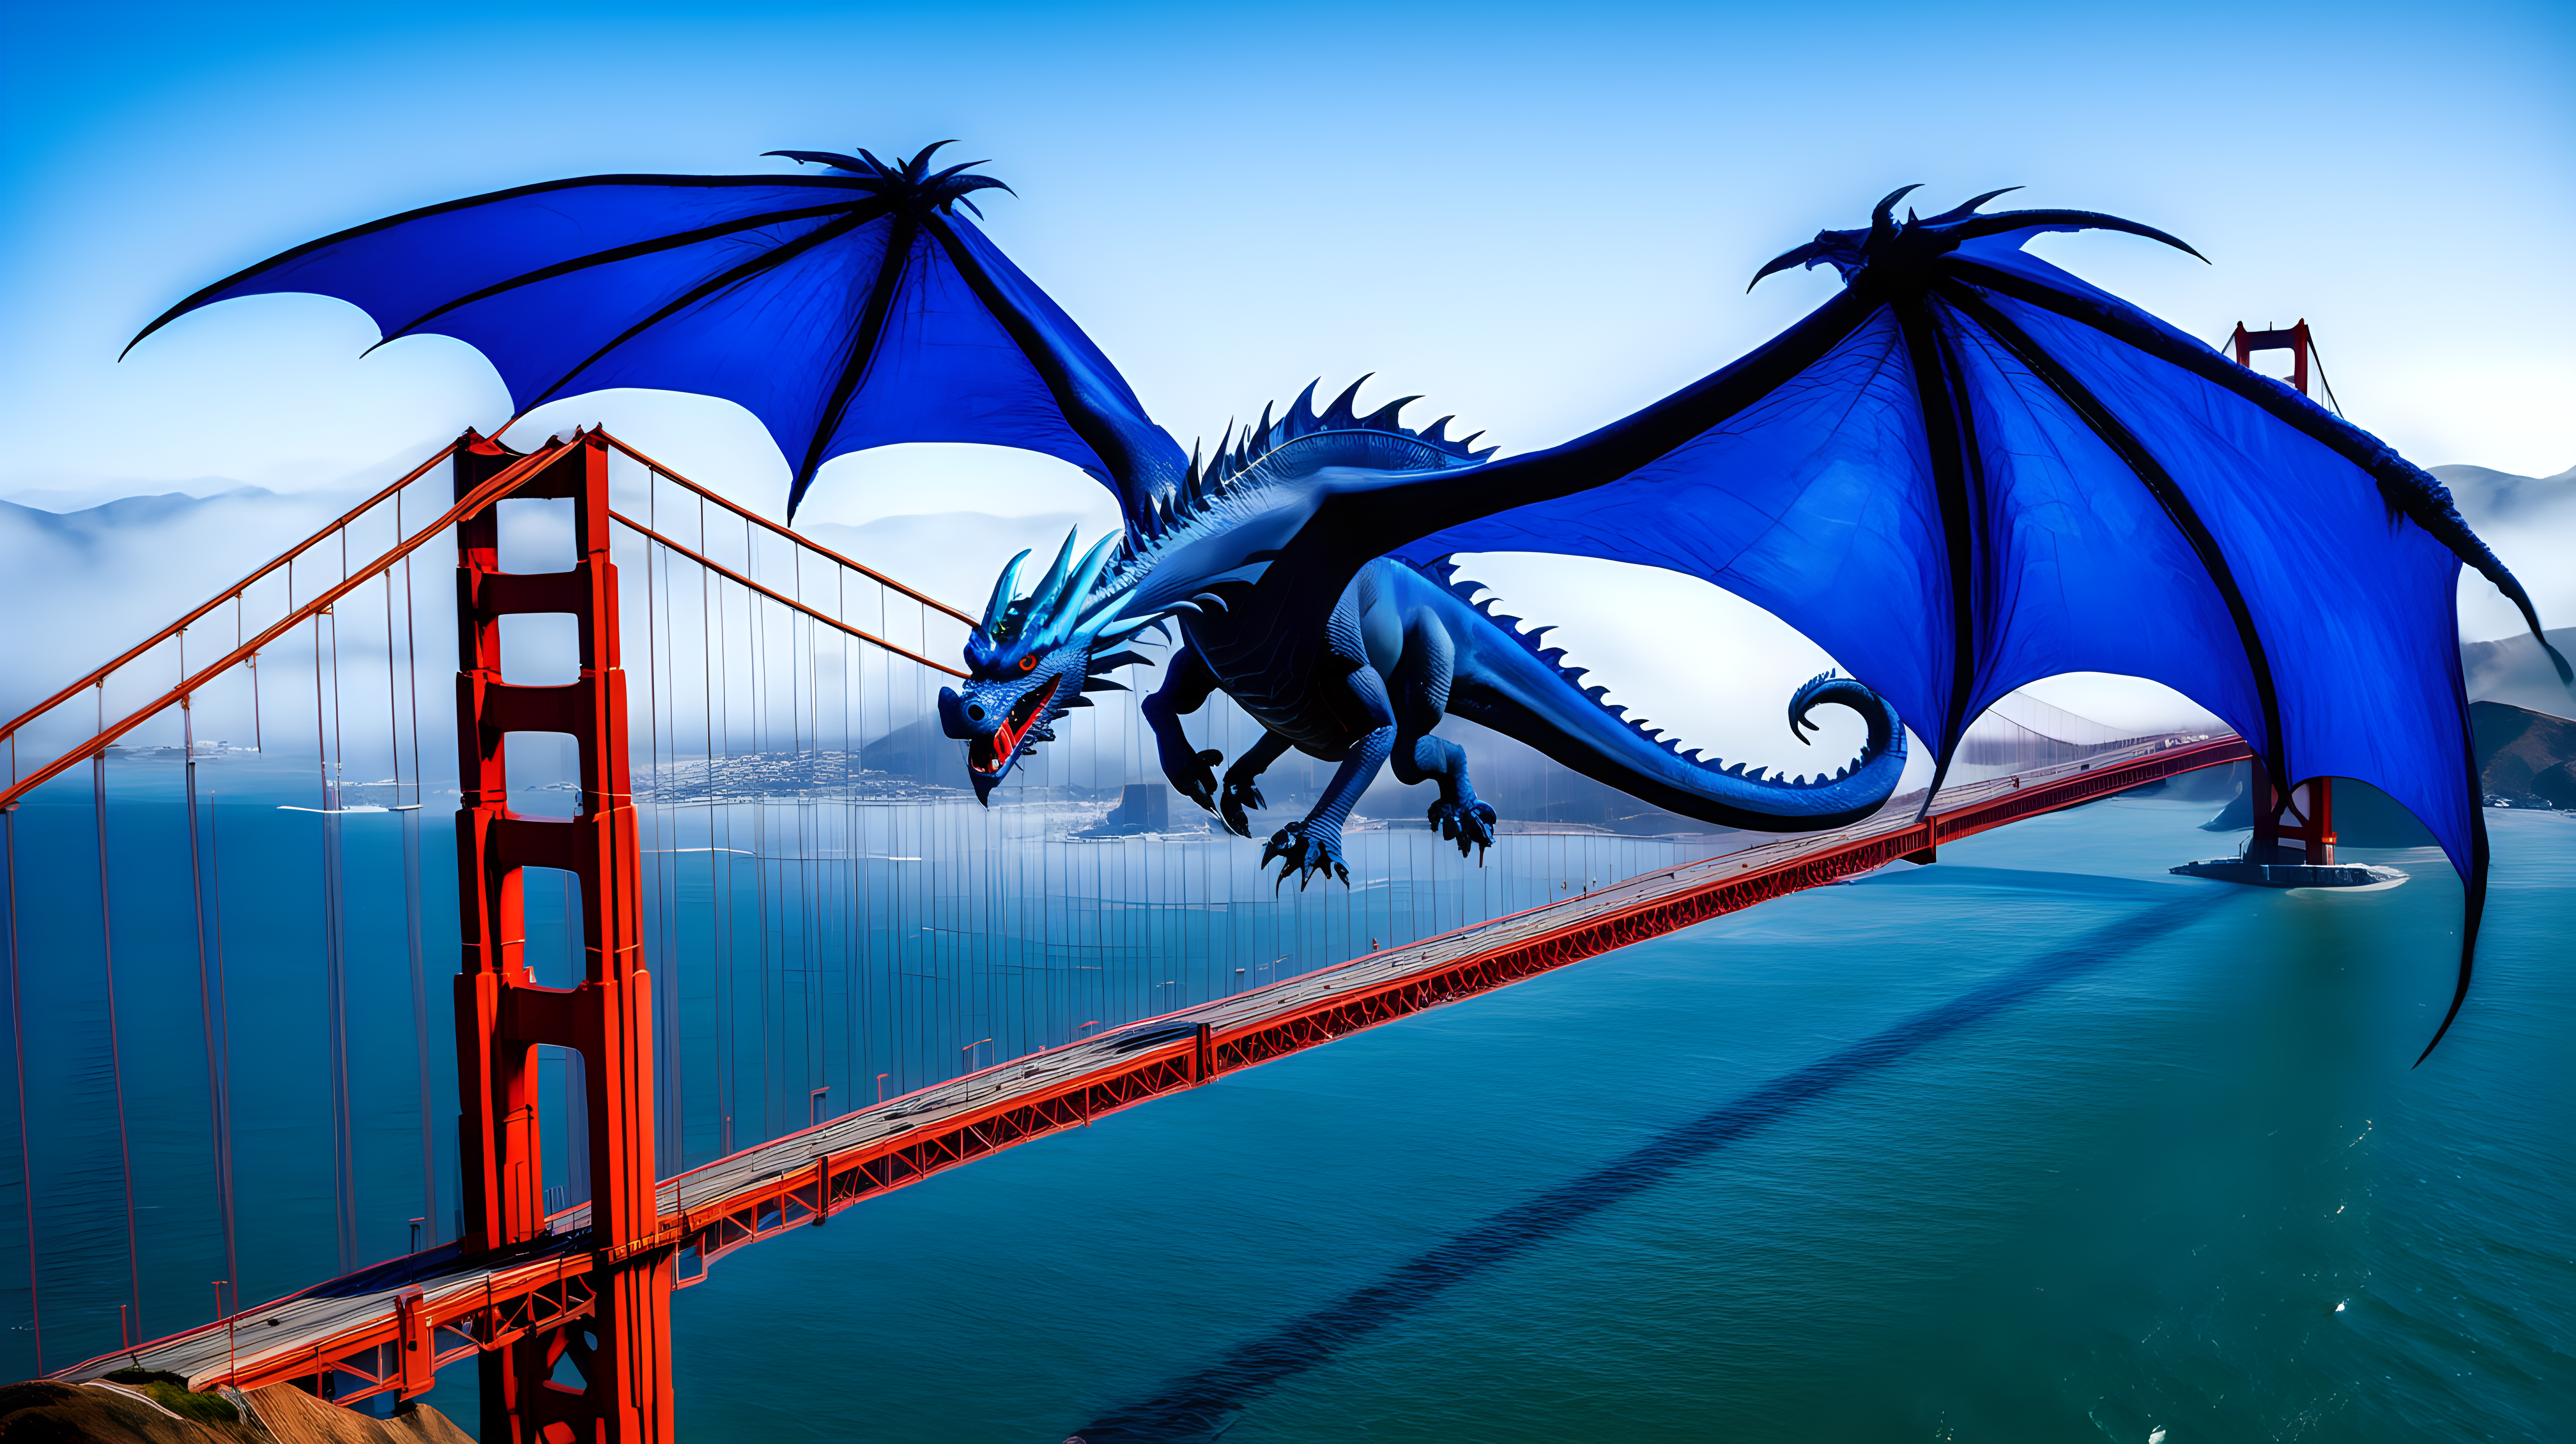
(1032, 658)
(1892, 256)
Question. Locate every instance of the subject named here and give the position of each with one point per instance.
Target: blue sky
(1539, 218)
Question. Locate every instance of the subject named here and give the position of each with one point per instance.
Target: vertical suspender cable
(115, 1053)
(218, 1123)
(18, 1057)
(712, 664)
(662, 958)
(334, 974)
(412, 922)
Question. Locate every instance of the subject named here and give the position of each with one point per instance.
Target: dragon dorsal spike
(1967, 207)
(1301, 420)
(1437, 433)
(1882, 218)
(1384, 418)
(1488, 451)
(1194, 458)
(1263, 430)
(1338, 416)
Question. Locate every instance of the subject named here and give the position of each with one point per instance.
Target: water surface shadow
(1202, 1404)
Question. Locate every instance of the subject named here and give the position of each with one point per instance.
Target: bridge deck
(450, 1307)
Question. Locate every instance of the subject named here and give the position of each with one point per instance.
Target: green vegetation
(172, 1393)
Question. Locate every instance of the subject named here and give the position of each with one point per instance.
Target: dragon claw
(1464, 821)
(1193, 775)
(1305, 849)
(1237, 799)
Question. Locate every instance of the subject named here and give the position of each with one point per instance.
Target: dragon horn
(1083, 577)
(1052, 585)
(1001, 603)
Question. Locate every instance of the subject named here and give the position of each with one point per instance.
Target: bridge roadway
(446, 1307)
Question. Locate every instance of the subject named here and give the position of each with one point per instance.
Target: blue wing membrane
(1969, 471)
(846, 311)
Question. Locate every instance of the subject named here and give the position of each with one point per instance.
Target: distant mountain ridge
(2484, 494)
(91, 526)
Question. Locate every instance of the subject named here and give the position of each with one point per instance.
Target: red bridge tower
(619, 1343)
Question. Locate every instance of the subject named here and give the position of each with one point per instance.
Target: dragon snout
(994, 736)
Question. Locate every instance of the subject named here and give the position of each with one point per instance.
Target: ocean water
(2038, 1143)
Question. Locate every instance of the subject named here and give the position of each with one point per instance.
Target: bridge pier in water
(619, 1344)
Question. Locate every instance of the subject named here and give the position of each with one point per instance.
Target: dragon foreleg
(1242, 791)
(1186, 685)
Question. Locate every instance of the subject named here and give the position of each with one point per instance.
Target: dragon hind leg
(1459, 815)
(1313, 843)
(1422, 677)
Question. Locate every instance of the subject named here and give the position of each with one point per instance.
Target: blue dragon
(1963, 471)
(1362, 684)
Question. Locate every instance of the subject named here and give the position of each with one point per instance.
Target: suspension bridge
(736, 950)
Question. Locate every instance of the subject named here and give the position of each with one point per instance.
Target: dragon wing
(845, 310)
(1969, 470)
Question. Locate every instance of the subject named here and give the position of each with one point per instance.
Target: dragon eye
(1028, 664)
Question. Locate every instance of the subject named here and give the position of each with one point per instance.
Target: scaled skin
(1397, 652)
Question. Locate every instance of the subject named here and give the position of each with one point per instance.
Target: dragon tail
(1505, 680)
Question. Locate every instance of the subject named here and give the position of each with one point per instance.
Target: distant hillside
(2523, 753)
(2514, 670)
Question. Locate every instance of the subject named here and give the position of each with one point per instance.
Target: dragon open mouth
(989, 755)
